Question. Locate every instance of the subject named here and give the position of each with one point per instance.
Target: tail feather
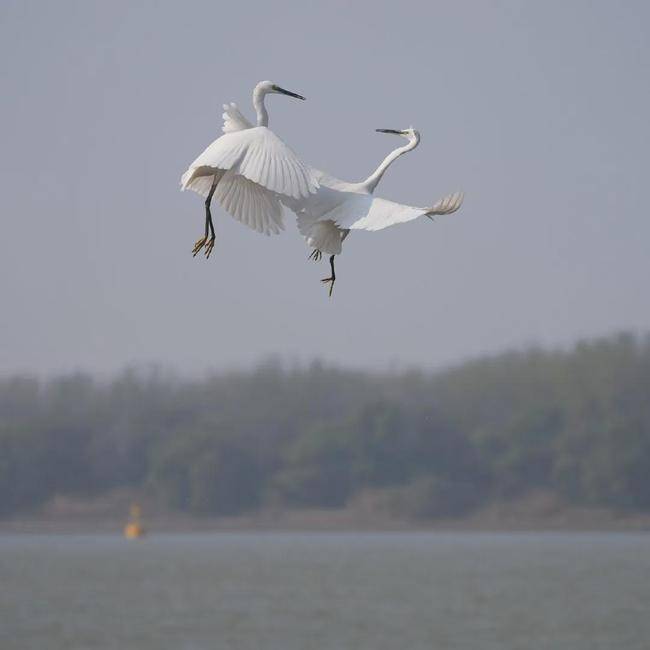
(324, 236)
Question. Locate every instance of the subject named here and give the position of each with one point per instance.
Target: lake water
(398, 591)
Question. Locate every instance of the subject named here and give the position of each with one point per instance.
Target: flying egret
(326, 217)
(248, 169)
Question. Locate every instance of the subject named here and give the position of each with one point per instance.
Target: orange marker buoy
(134, 528)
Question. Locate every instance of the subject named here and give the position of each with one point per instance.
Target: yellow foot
(331, 282)
(208, 247)
(200, 243)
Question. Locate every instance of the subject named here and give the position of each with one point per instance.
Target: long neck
(371, 182)
(260, 109)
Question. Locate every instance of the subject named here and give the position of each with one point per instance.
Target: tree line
(575, 422)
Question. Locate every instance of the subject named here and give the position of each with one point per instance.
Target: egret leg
(315, 255)
(210, 243)
(331, 279)
(206, 241)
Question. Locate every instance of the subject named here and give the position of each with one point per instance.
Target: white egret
(247, 170)
(326, 217)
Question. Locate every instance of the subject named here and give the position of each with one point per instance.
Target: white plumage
(257, 154)
(365, 212)
(233, 120)
(324, 236)
(252, 173)
(244, 200)
(248, 170)
(326, 217)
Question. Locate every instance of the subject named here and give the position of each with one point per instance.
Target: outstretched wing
(233, 120)
(365, 212)
(260, 156)
(244, 200)
(370, 213)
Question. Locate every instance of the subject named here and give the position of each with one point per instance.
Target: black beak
(287, 92)
(390, 131)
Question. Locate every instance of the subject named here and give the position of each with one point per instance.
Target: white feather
(233, 120)
(244, 200)
(261, 157)
(352, 209)
(351, 206)
(251, 167)
(324, 236)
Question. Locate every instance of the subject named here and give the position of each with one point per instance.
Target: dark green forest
(574, 422)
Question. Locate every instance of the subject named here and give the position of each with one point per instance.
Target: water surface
(326, 592)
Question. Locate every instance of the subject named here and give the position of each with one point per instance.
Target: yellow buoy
(134, 528)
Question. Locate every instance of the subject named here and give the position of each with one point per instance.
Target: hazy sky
(538, 110)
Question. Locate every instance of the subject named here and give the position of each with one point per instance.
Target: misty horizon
(294, 363)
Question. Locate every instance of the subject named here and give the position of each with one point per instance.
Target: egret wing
(366, 212)
(260, 156)
(317, 205)
(249, 203)
(244, 200)
(233, 120)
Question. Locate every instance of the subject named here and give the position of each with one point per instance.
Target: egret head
(410, 134)
(267, 87)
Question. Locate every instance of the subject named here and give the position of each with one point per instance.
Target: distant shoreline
(493, 519)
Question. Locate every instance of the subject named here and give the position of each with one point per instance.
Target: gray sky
(539, 111)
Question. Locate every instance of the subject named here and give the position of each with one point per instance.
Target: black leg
(208, 221)
(209, 227)
(332, 279)
(207, 217)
